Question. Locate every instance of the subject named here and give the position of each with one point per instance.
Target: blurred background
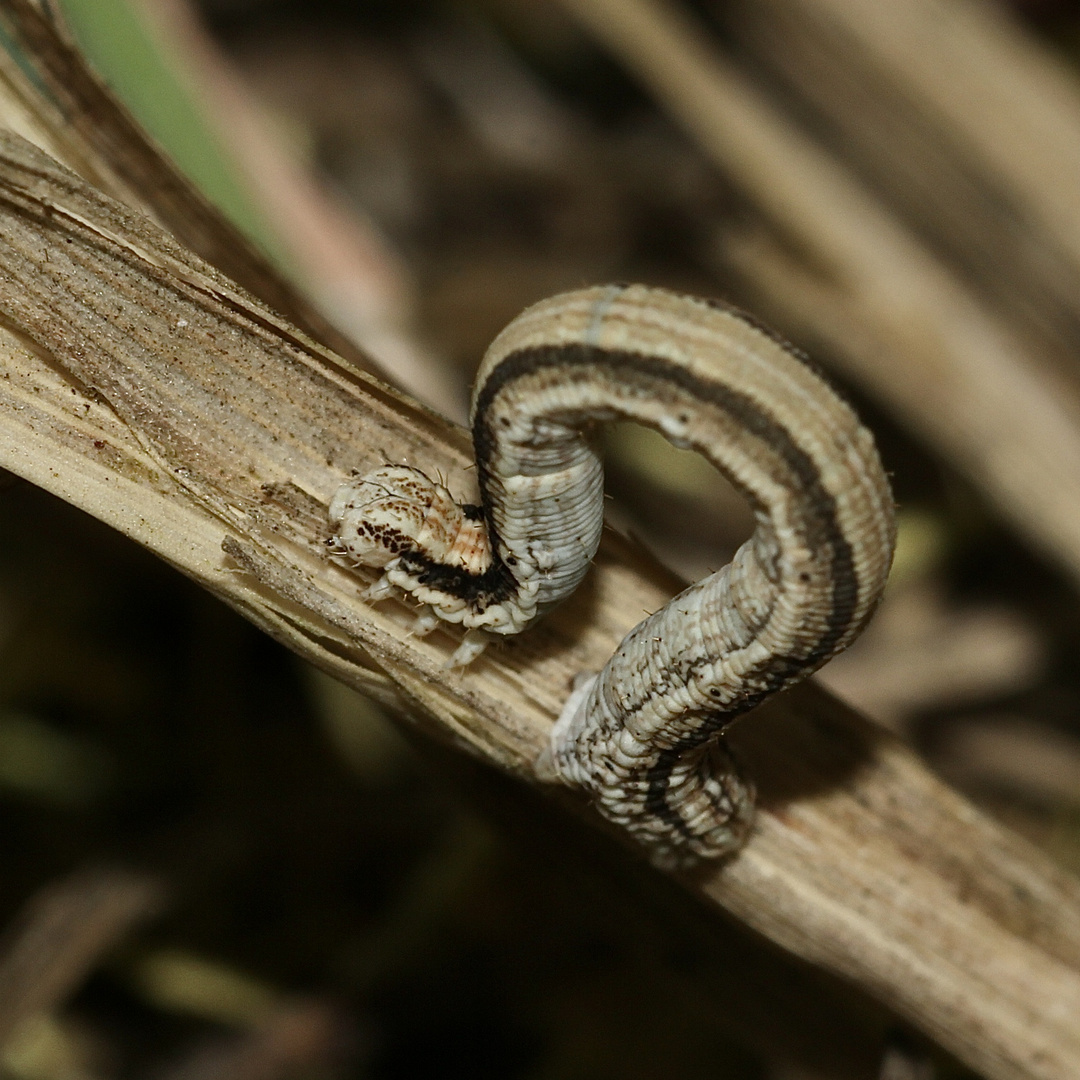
(287, 886)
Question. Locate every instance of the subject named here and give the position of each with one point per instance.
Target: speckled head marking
(644, 735)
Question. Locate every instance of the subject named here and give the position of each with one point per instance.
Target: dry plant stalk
(141, 385)
(966, 123)
(68, 111)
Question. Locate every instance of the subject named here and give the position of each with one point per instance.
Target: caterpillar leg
(472, 645)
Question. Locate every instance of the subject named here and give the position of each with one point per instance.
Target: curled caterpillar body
(644, 736)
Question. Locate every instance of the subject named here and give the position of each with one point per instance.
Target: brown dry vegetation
(226, 859)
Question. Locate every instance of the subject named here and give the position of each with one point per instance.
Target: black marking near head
(392, 539)
(496, 584)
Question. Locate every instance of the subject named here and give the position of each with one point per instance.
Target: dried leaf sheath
(232, 429)
(195, 387)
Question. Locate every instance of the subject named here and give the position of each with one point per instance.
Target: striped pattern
(644, 735)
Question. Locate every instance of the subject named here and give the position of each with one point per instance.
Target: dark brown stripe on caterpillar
(629, 365)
